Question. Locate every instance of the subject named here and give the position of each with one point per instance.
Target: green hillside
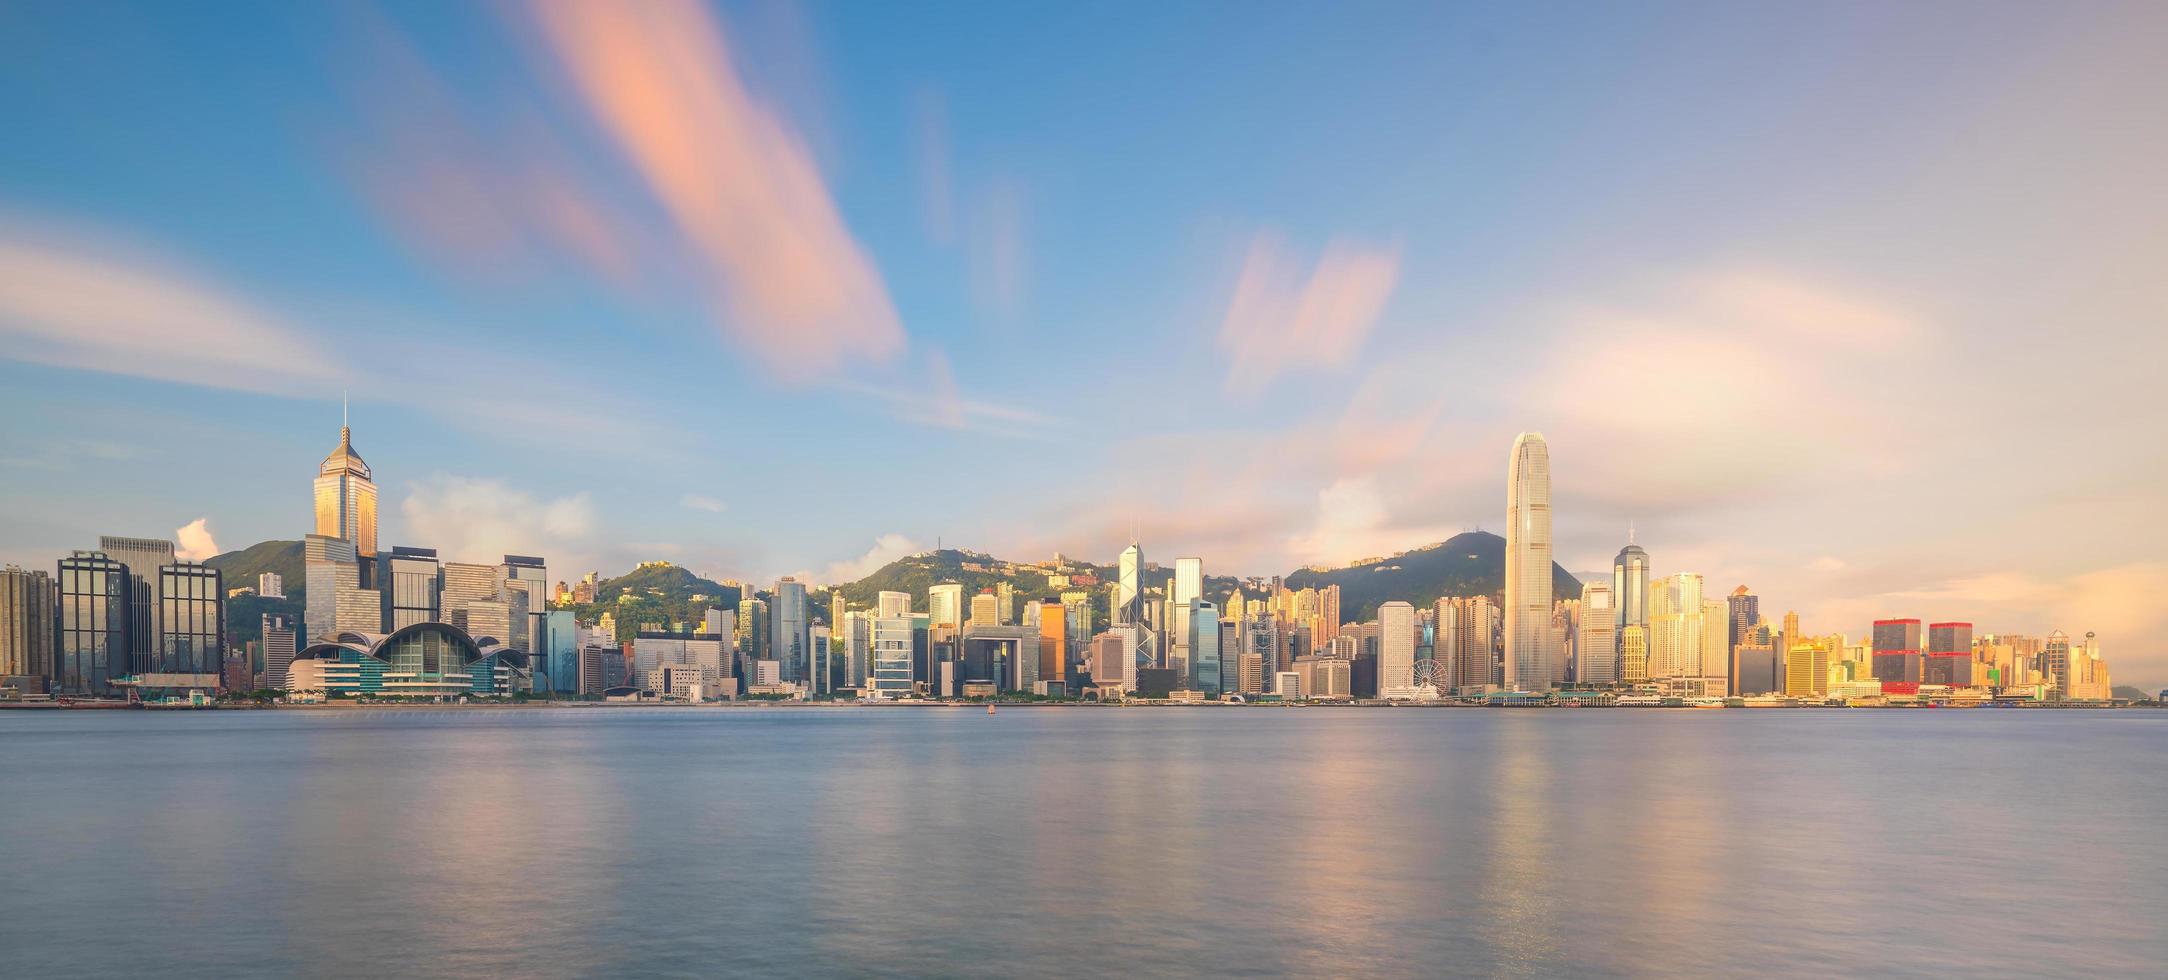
(655, 593)
(1470, 564)
(244, 614)
(241, 567)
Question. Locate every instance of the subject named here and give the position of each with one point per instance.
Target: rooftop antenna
(1629, 530)
(342, 408)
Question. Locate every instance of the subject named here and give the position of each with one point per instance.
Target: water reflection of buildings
(1519, 889)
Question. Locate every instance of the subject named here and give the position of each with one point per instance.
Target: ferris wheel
(1426, 673)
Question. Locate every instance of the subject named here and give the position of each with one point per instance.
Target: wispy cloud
(738, 183)
(193, 541)
(702, 502)
(491, 193)
(997, 257)
(475, 519)
(1282, 320)
(886, 548)
(936, 185)
(931, 397)
(77, 300)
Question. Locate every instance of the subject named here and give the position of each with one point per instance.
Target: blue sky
(1854, 303)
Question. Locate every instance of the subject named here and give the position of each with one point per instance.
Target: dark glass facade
(192, 621)
(91, 615)
(412, 587)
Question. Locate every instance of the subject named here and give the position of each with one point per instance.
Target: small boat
(989, 709)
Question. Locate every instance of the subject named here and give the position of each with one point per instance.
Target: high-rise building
(1114, 656)
(1757, 665)
(1188, 579)
(91, 610)
(1396, 645)
(788, 618)
(556, 659)
(323, 559)
(191, 647)
(1129, 586)
(278, 650)
(270, 585)
(1596, 652)
(945, 604)
(1467, 642)
(892, 634)
(1949, 655)
(409, 585)
(466, 586)
(26, 623)
(1897, 650)
(1054, 643)
(1565, 636)
(356, 609)
(985, 609)
(1076, 606)
(1678, 628)
(1715, 671)
(346, 497)
(1187, 586)
(1203, 646)
(1630, 585)
(1528, 565)
(1744, 612)
(523, 583)
(1806, 670)
(1633, 654)
(1328, 615)
(144, 557)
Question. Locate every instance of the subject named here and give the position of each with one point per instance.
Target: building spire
(342, 409)
(1629, 530)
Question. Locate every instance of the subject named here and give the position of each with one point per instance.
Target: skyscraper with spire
(346, 497)
(1129, 586)
(1528, 566)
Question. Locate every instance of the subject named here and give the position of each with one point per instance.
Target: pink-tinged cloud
(78, 301)
(996, 252)
(1283, 321)
(491, 193)
(739, 184)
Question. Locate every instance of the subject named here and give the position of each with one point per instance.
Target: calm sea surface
(1067, 842)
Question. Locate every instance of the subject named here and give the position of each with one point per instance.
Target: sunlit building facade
(346, 497)
(1396, 646)
(1528, 566)
(1596, 651)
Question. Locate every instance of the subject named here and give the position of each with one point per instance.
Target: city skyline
(1876, 391)
(136, 614)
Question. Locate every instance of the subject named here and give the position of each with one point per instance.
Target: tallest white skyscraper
(1528, 566)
